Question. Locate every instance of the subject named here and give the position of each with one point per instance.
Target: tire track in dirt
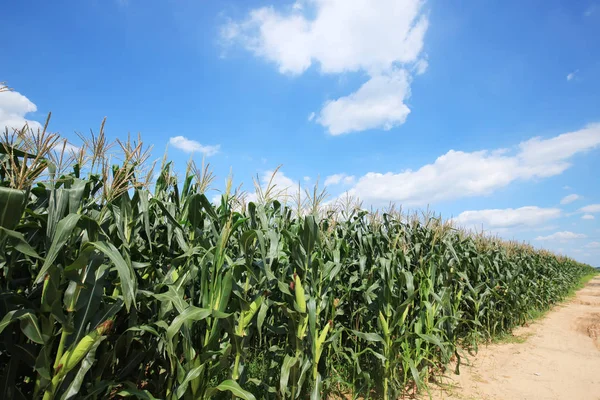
(559, 358)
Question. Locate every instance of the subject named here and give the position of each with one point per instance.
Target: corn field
(118, 279)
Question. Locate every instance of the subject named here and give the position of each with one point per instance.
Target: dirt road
(559, 358)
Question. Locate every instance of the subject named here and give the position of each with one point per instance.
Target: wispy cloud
(192, 146)
(529, 216)
(572, 75)
(562, 236)
(570, 198)
(588, 217)
(592, 208)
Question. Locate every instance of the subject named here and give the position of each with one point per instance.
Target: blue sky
(488, 112)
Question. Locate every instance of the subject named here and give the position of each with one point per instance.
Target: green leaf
(194, 209)
(190, 314)
(12, 202)
(20, 243)
(144, 207)
(12, 151)
(64, 231)
(124, 269)
(288, 363)
(433, 340)
(89, 300)
(189, 376)
(132, 390)
(370, 337)
(28, 321)
(233, 387)
(209, 208)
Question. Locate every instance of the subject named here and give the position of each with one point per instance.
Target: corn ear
(72, 357)
(249, 314)
(299, 292)
(384, 325)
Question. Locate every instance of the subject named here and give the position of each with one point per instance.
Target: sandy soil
(558, 359)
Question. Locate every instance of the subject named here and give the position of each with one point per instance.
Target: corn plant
(116, 282)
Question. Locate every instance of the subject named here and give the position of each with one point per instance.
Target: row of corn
(111, 287)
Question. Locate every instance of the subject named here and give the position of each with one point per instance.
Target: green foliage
(109, 290)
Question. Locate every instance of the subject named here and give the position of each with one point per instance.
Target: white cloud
(421, 66)
(344, 35)
(570, 198)
(506, 218)
(68, 147)
(192, 146)
(13, 109)
(593, 245)
(311, 116)
(306, 179)
(562, 236)
(280, 183)
(380, 38)
(572, 75)
(378, 103)
(459, 174)
(592, 208)
(587, 216)
(567, 187)
(336, 179)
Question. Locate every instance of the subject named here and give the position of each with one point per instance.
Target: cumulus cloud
(382, 38)
(13, 108)
(570, 198)
(592, 208)
(192, 146)
(587, 216)
(593, 245)
(459, 174)
(66, 146)
(562, 236)
(336, 179)
(379, 103)
(506, 218)
(281, 184)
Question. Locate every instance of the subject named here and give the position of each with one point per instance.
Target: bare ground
(558, 358)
